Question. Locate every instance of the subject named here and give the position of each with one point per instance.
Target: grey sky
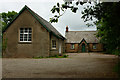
(43, 7)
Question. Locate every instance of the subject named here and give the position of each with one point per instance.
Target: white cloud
(43, 7)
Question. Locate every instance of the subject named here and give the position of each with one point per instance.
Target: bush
(65, 56)
(117, 68)
(116, 52)
(55, 56)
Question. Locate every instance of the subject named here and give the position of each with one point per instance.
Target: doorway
(60, 45)
(83, 47)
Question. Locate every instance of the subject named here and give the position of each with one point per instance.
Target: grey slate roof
(77, 36)
(42, 21)
(47, 24)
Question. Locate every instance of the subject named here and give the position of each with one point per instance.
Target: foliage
(6, 18)
(107, 17)
(61, 9)
(55, 56)
(108, 22)
(0, 23)
(117, 68)
(65, 56)
(108, 27)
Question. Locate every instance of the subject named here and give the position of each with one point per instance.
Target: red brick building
(82, 41)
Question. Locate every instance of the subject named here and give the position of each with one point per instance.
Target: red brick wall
(68, 48)
(99, 47)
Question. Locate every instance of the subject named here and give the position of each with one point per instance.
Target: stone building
(29, 35)
(82, 41)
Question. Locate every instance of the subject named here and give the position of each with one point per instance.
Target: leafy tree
(108, 24)
(107, 17)
(61, 9)
(7, 17)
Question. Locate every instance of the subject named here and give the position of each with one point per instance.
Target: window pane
(29, 35)
(26, 30)
(30, 30)
(94, 46)
(25, 39)
(72, 46)
(21, 39)
(21, 30)
(25, 34)
(21, 35)
(53, 44)
(29, 39)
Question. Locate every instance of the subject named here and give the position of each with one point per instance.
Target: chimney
(66, 28)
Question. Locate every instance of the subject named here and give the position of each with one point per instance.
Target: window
(53, 44)
(25, 34)
(94, 46)
(72, 46)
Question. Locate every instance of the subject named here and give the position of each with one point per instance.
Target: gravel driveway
(77, 65)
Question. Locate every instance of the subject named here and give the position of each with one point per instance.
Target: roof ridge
(82, 31)
(42, 21)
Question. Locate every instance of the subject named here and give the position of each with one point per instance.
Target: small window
(53, 44)
(94, 46)
(25, 34)
(72, 46)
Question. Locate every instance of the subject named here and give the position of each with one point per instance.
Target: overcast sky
(43, 7)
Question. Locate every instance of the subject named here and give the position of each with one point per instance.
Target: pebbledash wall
(41, 39)
(58, 42)
(39, 45)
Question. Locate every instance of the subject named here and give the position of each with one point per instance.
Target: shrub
(116, 52)
(65, 56)
(117, 68)
(56, 56)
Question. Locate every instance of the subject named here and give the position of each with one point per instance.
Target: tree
(6, 18)
(108, 24)
(61, 8)
(107, 17)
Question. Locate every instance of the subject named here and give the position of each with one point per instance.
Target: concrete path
(77, 65)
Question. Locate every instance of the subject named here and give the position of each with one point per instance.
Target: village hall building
(29, 35)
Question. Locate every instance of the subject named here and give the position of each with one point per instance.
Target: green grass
(117, 68)
(56, 56)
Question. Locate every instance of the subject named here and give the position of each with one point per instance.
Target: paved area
(77, 65)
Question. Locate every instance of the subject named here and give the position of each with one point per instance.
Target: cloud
(43, 7)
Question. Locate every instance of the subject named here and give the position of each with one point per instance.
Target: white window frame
(94, 46)
(25, 33)
(54, 44)
(72, 46)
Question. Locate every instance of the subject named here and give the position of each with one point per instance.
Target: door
(83, 47)
(60, 45)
